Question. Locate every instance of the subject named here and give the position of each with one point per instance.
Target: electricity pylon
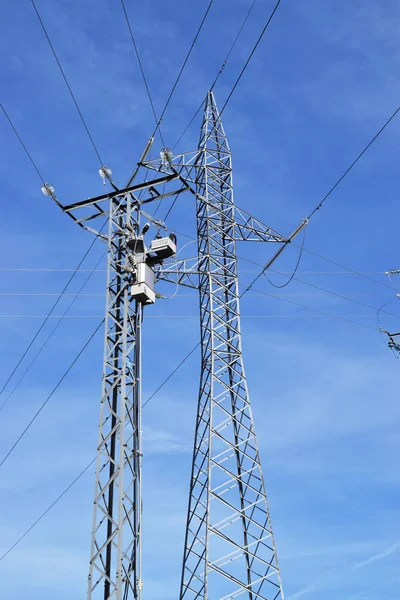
(229, 545)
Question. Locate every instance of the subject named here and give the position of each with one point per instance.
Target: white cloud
(388, 552)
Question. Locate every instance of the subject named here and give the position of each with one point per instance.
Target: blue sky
(324, 390)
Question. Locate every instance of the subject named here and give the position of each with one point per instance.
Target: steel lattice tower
(229, 546)
(115, 549)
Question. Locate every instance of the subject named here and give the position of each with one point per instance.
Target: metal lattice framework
(115, 565)
(229, 546)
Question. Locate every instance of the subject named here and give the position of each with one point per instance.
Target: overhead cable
(25, 352)
(142, 71)
(220, 71)
(35, 416)
(22, 143)
(355, 161)
(66, 82)
(246, 64)
(44, 513)
(48, 509)
(183, 65)
(292, 276)
(42, 347)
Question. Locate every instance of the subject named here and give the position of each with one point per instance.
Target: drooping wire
(347, 171)
(22, 143)
(50, 334)
(183, 65)
(142, 72)
(296, 267)
(35, 416)
(67, 83)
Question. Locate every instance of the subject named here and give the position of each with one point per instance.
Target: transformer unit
(143, 288)
(164, 247)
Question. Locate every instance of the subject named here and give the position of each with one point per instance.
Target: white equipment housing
(163, 247)
(143, 289)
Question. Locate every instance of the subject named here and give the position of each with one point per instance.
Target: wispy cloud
(388, 552)
(302, 592)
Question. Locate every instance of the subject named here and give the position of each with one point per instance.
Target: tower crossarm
(89, 210)
(182, 272)
(249, 228)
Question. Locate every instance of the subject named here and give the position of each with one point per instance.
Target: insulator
(48, 190)
(166, 155)
(105, 173)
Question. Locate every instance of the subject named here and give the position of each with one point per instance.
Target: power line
(47, 510)
(365, 274)
(142, 71)
(322, 289)
(50, 313)
(246, 64)
(348, 269)
(190, 316)
(192, 295)
(292, 276)
(22, 143)
(51, 394)
(339, 180)
(66, 82)
(184, 65)
(343, 318)
(355, 161)
(317, 287)
(63, 316)
(152, 396)
(91, 463)
(219, 72)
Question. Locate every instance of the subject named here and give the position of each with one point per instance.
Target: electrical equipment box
(143, 288)
(163, 247)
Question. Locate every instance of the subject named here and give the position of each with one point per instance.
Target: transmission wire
(142, 72)
(93, 461)
(48, 509)
(22, 143)
(50, 313)
(246, 64)
(296, 267)
(219, 72)
(50, 335)
(152, 396)
(354, 162)
(22, 434)
(183, 65)
(66, 82)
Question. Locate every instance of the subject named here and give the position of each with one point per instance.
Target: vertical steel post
(115, 562)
